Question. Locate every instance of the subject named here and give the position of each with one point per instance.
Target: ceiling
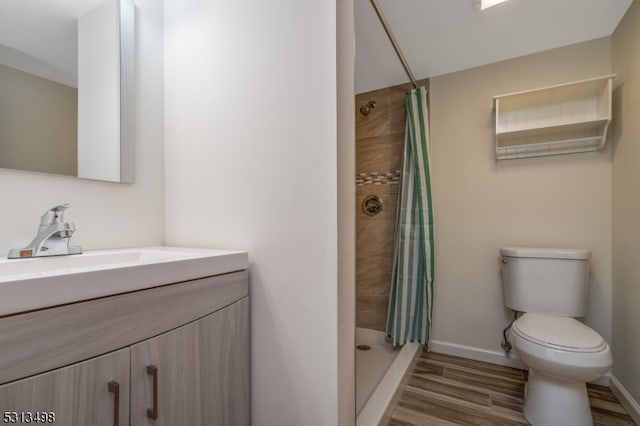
(443, 36)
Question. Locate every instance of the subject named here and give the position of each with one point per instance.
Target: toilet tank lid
(546, 253)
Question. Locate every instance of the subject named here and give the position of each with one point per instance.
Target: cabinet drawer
(43, 340)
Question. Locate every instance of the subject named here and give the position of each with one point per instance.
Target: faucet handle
(54, 215)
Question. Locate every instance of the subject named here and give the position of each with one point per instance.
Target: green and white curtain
(411, 296)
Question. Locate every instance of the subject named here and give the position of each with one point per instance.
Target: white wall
(251, 163)
(99, 93)
(481, 204)
(106, 214)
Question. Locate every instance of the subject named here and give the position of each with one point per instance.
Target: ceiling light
(488, 3)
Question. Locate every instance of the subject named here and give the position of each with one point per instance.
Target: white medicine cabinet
(562, 119)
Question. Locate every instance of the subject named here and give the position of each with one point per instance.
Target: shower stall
(380, 133)
(381, 123)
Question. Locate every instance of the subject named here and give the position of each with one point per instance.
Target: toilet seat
(561, 333)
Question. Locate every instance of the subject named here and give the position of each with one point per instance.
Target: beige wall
(38, 123)
(626, 204)
(481, 204)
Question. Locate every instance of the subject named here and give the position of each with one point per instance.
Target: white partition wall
(251, 162)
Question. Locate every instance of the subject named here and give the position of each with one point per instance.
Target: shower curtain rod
(385, 24)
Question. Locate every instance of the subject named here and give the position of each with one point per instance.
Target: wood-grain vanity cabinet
(74, 395)
(171, 355)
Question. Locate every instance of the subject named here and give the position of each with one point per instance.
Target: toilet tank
(546, 281)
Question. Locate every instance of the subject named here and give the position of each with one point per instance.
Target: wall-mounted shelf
(562, 119)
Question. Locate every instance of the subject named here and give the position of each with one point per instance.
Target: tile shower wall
(379, 145)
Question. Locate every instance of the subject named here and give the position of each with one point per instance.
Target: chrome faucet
(52, 238)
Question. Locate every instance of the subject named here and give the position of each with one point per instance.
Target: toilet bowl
(562, 355)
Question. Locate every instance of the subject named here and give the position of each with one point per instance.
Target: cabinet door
(76, 395)
(199, 373)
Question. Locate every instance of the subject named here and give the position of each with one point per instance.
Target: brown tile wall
(379, 145)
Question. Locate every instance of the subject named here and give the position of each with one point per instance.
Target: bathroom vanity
(172, 351)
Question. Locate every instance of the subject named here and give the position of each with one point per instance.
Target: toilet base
(551, 401)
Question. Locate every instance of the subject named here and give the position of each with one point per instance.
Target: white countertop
(36, 283)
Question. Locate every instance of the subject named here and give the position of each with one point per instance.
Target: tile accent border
(625, 398)
(391, 177)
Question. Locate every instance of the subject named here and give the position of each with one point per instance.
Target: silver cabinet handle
(114, 388)
(152, 413)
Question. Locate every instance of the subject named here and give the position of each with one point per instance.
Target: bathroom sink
(36, 283)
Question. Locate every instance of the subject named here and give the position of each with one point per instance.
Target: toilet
(550, 288)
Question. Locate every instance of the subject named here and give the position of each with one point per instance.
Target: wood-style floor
(447, 390)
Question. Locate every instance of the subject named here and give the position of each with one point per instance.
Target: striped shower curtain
(411, 295)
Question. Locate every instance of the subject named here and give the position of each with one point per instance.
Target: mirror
(66, 87)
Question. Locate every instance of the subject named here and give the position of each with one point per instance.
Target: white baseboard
(625, 398)
(492, 357)
(477, 354)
